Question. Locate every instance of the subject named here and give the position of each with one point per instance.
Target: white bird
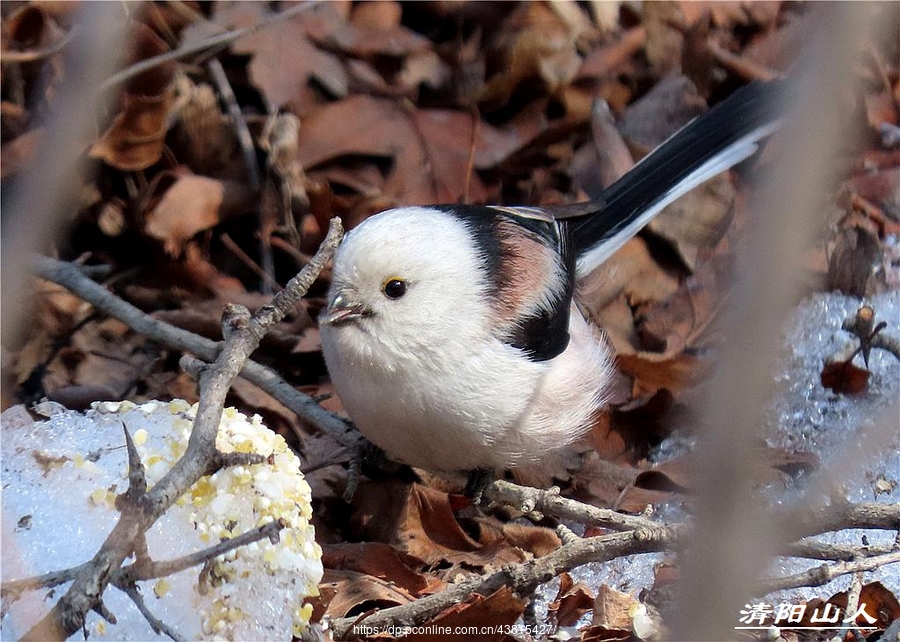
(451, 334)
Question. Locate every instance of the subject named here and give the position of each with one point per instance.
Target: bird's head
(404, 280)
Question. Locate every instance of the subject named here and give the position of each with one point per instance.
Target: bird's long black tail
(711, 143)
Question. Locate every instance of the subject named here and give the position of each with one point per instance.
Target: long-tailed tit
(451, 334)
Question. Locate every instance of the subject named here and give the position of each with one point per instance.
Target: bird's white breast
(453, 409)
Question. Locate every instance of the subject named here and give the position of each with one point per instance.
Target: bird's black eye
(394, 288)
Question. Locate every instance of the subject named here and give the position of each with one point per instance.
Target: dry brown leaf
(429, 148)
(684, 320)
(850, 267)
(136, 138)
(664, 38)
(601, 482)
(608, 60)
(355, 593)
(698, 220)
(630, 278)
(198, 272)
(844, 378)
(667, 107)
(880, 602)
(285, 60)
(537, 44)
(881, 108)
(631, 271)
(881, 187)
(377, 15)
(192, 204)
(374, 31)
(379, 560)
(778, 47)
(536, 540)
(80, 397)
(500, 609)
(603, 634)
(420, 521)
(678, 373)
(571, 602)
(29, 27)
(612, 609)
(18, 152)
(605, 159)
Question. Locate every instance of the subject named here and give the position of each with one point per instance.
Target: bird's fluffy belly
(494, 409)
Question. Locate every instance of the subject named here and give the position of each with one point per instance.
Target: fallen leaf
(420, 521)
(844, 378)
(357, 593)
(379, 560)
(191, 204)
(499, 610)
(429, 148)
(675, 374)
(698, 220)
(667, 107)
(136, 138)
(374, 29)
(612, 609)
(285, 59)
(536, 44)
(664, 39)
(571, 602)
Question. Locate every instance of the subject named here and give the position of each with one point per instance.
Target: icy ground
(60, 481)
(805, 416)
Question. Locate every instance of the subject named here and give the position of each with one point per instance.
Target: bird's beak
(343, 308)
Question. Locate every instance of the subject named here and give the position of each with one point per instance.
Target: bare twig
(523, 578)
(13, 588)
(827, 572)
(151, 570)
(836, 552)
(743, 66)
(217, 73)
(549, 502)
(869, 335)
(70, 277)
(158, 626)
(244, 258)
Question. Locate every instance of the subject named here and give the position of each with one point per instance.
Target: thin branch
(305, 407)
(14, 588)
(245, 139)
(244, 258)
(743, 66)
(549, 502)
(827, 572)
(158, 626)
(152, 570)
(833, 552)
(522, 578)
(137, 480)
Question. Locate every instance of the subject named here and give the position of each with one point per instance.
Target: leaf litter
(399, 104)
